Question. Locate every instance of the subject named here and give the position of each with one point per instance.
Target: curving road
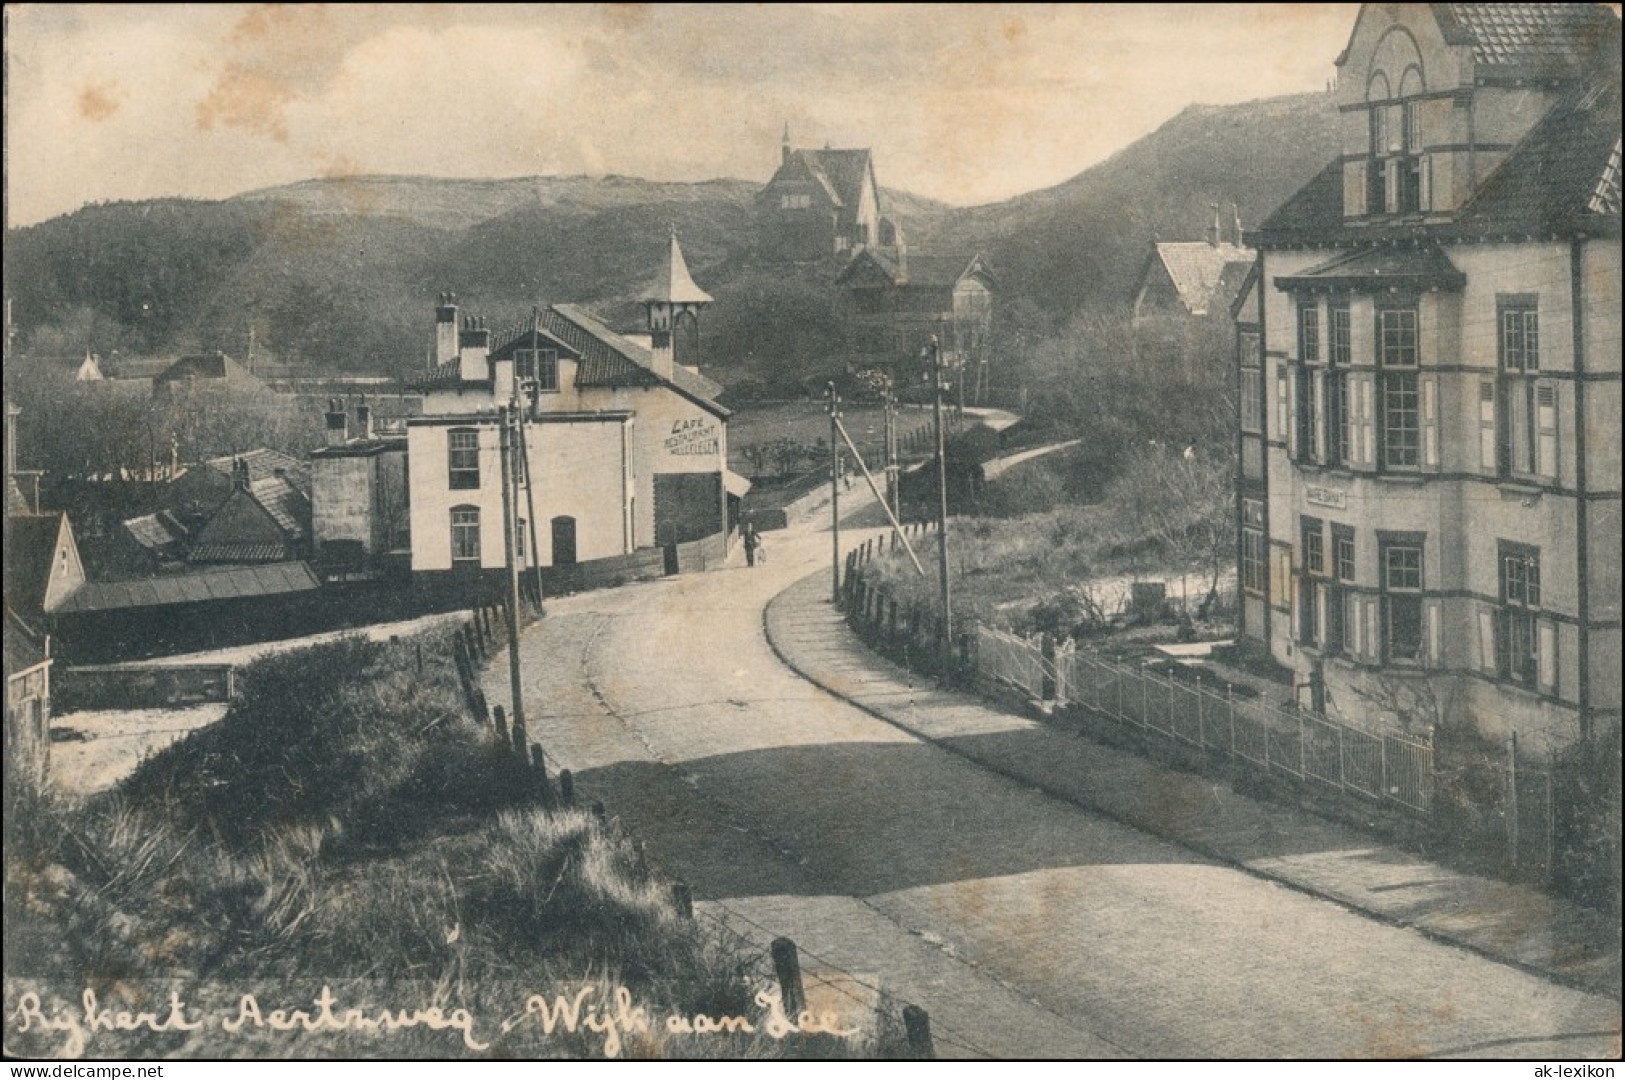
(1026, 926)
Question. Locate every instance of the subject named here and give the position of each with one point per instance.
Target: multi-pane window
(1310, 380)
(539, 368)
(1518, 637)
(1401, 388)
(1402, 601)
(1528, 445)
(463, 458)
(465, 535)
(1343, 619)
(1311, 591)
(1339, 354)
(1252, 383)
(1252, 545)
(795, 202)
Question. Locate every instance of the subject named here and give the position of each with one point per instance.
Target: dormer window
(538, 368)
(1396, 171)
(795, 202)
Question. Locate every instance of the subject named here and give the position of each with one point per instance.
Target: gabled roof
(923, 271)
(210, 366)
(265, 464)
(227, 584)
(1404, 267)
(31, 544)
(288, 506)
(160, 533)
(840, 173)
(608, 359)
(1204, 275)
(673, 285)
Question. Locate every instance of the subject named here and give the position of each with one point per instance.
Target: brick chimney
(363, 419)
(239, 474)
(1214, 233)
(338, 423)
(445, 329)
(474, 345)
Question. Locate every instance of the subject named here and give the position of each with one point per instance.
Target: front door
(564, 541)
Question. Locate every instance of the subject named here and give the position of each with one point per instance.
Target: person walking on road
(752, 542)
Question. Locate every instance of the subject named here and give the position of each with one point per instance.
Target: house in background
(261, 521)
(821, 203)
(624, 448)
(897, 301)
(206, 372)
(1182, 307)
(1429, 373)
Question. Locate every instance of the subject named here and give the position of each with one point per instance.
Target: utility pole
(942, 501)
(889, 398)
(530, 503)
(834, 495)
(505, 445)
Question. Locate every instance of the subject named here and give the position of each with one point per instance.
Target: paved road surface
(1023, 924)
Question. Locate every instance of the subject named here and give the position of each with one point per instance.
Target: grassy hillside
(1086, 240)
(340, 274)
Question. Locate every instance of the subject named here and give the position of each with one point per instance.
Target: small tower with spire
(672, 310)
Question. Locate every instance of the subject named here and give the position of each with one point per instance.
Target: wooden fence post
(917, 1023)
(787, 965)
(682, 897)
(567, 787)
(1046, 667)
(599, 812)
(500, 718)
(538, 765)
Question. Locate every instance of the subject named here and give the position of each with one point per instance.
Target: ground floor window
(1402, 601)
(465, 535)
(1518, 636)
(1252, 545)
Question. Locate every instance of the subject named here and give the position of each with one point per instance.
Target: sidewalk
(1513, 924)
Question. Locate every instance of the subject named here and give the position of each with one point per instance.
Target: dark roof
(208, 366)
(23, 649)
(160, 532)
(922, 270)
(1562, 179)
(1406, 267)
(1545, 37)
(30, 551)
(1550, 183)
(673, 284)
(16, 502)
(232, 584)
(244, 553)
(288, 506)
(264, 464)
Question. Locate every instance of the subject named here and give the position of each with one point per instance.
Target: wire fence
(1388, 767)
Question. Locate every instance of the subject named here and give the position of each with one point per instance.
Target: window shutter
(1283, 421)
(1355, 645)
(1430, 421)
(1546, 423)
(1426, 167)
(1373, 631)
(1293, 450)
(1320, 613)
(1362, 389)
(1546, 635)
(1488, 454)
(1486, 640)
(1435, 647)
(1390, 186)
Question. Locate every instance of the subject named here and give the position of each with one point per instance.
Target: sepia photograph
(812, 532)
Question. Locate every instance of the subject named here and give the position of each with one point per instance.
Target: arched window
(463, 459)
(465, 536)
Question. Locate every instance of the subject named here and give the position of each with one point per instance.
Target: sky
(967, 104)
